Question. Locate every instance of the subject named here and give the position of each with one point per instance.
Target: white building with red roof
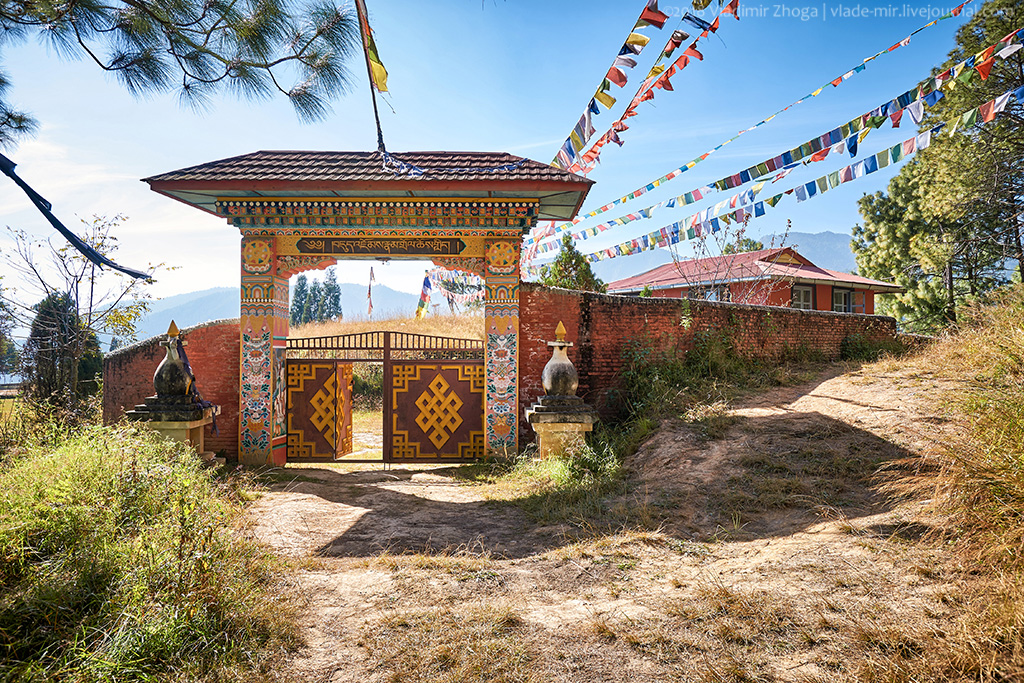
(769, 277)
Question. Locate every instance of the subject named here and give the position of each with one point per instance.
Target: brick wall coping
(724, 305)
(152, 341)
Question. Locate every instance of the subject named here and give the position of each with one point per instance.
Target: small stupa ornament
(177, 410)
(173, 377)
(560, 416)
(559, 376)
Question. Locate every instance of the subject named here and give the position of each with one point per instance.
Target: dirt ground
(765, 551)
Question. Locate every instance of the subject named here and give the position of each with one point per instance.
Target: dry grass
(460, 643)
(462, 326)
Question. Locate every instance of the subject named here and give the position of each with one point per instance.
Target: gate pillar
(501, 323)
(262, 433)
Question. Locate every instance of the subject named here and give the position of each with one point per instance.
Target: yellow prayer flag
(604, 98)
(816, 92)
(863, 134)
(656, 70)
(577, 143)
(637, 39)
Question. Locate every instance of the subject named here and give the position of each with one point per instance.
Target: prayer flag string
(626, 59)
(543, 233)
(658, 78)
(845, 138)
(709, 221)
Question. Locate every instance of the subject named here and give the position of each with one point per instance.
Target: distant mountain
(193, 308)
(628, 266)
(829, 250)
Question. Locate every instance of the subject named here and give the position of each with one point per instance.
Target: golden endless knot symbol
(439, 411)
(324, 404)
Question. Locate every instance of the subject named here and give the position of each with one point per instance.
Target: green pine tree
(299, 297)
(570, 270)
(332, 296)
(313, 311)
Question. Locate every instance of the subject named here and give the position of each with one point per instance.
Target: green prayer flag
(882, 158)
(773, 200)
(762, 169)
(844, 130)
(690, 234)
(877, 121)
(833, 178)
(970, 118)
(897, 153)
(856, 125)
(822, 184)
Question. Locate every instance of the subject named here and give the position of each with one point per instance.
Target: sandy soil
(770, 553)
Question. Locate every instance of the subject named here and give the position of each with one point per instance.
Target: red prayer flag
(714, 25)
(692, 52)
(818, 156)
(896, 116)
(652, 16)
(734, 6)
(957, 10)
(649, 95)
(987, 111)
(616, 76)
(985, 68)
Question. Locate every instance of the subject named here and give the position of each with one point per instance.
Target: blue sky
(489, 75)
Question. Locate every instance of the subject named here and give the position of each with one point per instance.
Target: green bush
(117, 563)
(859, 347)
(368, 385)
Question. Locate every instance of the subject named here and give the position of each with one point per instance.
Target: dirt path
(765, 554)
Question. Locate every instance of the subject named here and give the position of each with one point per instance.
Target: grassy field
(463, 326)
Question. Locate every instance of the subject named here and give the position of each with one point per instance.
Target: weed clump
(117, 562)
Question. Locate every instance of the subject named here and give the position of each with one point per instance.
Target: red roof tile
(751, 265)
(369, 166)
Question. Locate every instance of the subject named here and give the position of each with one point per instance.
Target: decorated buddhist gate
(299, 211)
(433, 395)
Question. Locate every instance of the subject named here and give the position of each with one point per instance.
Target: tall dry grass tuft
(982, 478)
(118, 563)
(977, 484)
(461, 326)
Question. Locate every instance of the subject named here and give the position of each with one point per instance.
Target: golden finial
(172, 331)
(560, 332)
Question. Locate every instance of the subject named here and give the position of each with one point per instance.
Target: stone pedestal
(560, 417)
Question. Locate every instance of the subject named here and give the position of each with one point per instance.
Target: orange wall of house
(766, 293)
(869, 301)
(823, 297)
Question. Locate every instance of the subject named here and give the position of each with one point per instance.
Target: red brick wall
(602, 325)
(213, 350)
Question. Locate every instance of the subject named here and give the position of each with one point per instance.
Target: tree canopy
(252, 48)
(742, 245)
(570, 270)
(949, 226)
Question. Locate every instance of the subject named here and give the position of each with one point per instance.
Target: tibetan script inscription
(389, 246)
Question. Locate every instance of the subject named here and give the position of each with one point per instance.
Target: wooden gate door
(433, 410)
(319, 409)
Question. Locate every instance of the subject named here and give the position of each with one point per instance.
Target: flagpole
(364, 29)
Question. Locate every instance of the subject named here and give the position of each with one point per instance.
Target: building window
(842, 300)
(711, 293)
(803, 297)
